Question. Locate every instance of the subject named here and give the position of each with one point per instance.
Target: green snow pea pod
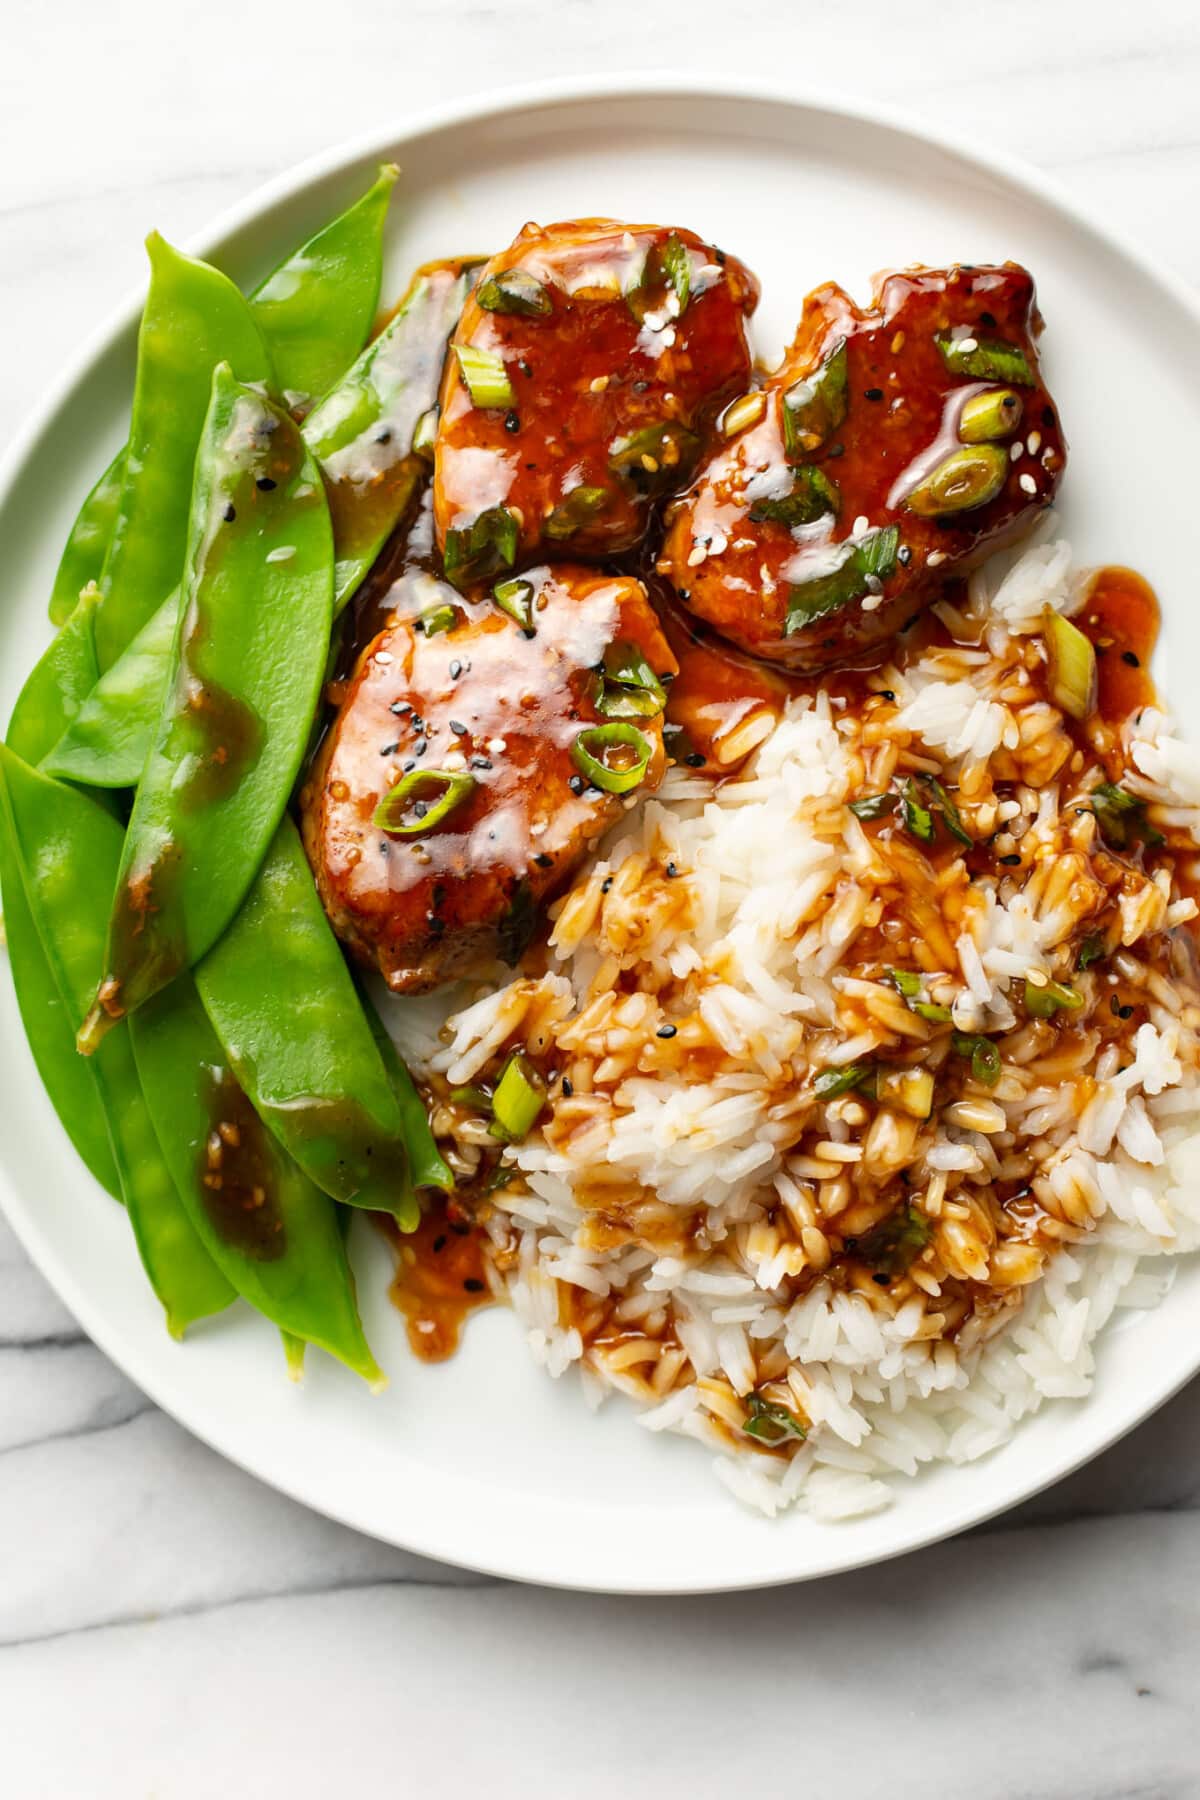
(82, 560)
(68, 850)
(194, 318)
(107, 741)
(247, 666)
(67, 669)
(317, 308)
(269, 1229)
(58, 684)
(362, 432)
(283, 1004)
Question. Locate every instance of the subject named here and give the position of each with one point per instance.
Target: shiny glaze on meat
(586, 375)
(485, 698)
(903, 410)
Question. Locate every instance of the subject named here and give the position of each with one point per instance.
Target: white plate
(484, 1461)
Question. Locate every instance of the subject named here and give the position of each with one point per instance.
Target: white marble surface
(169, 1627)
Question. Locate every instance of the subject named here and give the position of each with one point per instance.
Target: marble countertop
(171, 1628)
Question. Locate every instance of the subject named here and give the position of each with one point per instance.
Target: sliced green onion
(905, 981)
(515, 597)
(485, 376)
(1091, 950)
(450, 790)
(908, 1091)
(991, 415)
(437, 618)
(1071, 666)
(951, 817)
(814, 407)
(478, 1098)
(590, 752)
(519, 1097)
(871, 559)
(479, 551)
(967, 478)
(514, 291)
(985, 1058)
(581, 506)
(931, 1012)
(655, 457)
(917, 818)
(894, 1244)
(1044, 1002)
(812, 496)
(985, 359)
(499, 1178)
(769, 1423)
(677, 267)
(629, 688)
(666, 268)
(425, 432)
(832, 1083)
(1121, 817)
(874, 806)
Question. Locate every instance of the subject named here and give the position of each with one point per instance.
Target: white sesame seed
(1033, 442)
(861, 524)
(697, 556)
(497, 746)
(281, 553)
(1028, 484)
(598, 384)
(871, 602)
(935, 558)
(965, 345)
(1016, 451)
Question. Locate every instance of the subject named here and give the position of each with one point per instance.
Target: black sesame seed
(421, 808)
(1130, 657)
(409, 766)
(667, 677)
(524, 366)
(575, 783)
(458, 728)
(230, 513)
(440, 1241)
(264, 484)
(455, 670)
(422, 747)
(543, 861)
(460, 1227)
(695, 760)
(882, 1280)
(511, 421)
(988, 319)
(672, 871)
(639, 387)
(1048, 419)
(384, 436)
(400, 707)
(567, 1088)
(886, 694)
(838, 450)
(1010, 862)
(904, 555)
(473, 1285)
(720, 256)
(667, 1031)
(606, 884)
(390, 749)
(872, 393)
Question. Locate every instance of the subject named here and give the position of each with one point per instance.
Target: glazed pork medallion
(685, 847)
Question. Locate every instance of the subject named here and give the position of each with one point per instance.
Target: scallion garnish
(969, 477)
(985, 1058)
(485, 375)
(629, 688)
(814, 407)
(665, 269)
(1044, 1002)
(437, 618)
(1072, 676)
(894, 1244)
(514, 291)
(984, 359)
(813, 495)
(832, 1083)
(425, 432)
(769, 1423)
(480, 550)
(905, 981)
(579, 508)
(917, 818)
(596, 746)
(448, 790)
(951, 818)
(870, 560)
(656, 457)
(515, 597)
(874, 806)
(1091, 950)
(1121, 817)
(931, 1012)
(519, 1097)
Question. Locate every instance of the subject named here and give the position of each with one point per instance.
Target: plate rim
(1020, 178)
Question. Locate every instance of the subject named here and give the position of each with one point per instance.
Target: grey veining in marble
(171, 1628)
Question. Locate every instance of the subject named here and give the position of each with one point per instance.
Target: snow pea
(283, 1004)
(362, 432)
(58, 685)
(270, 1230)
(317, 308)
(107, 741)
(362, 435)
(194, 318)
(68, 850)
(43, 707)
(247, 665)
(82, 560)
